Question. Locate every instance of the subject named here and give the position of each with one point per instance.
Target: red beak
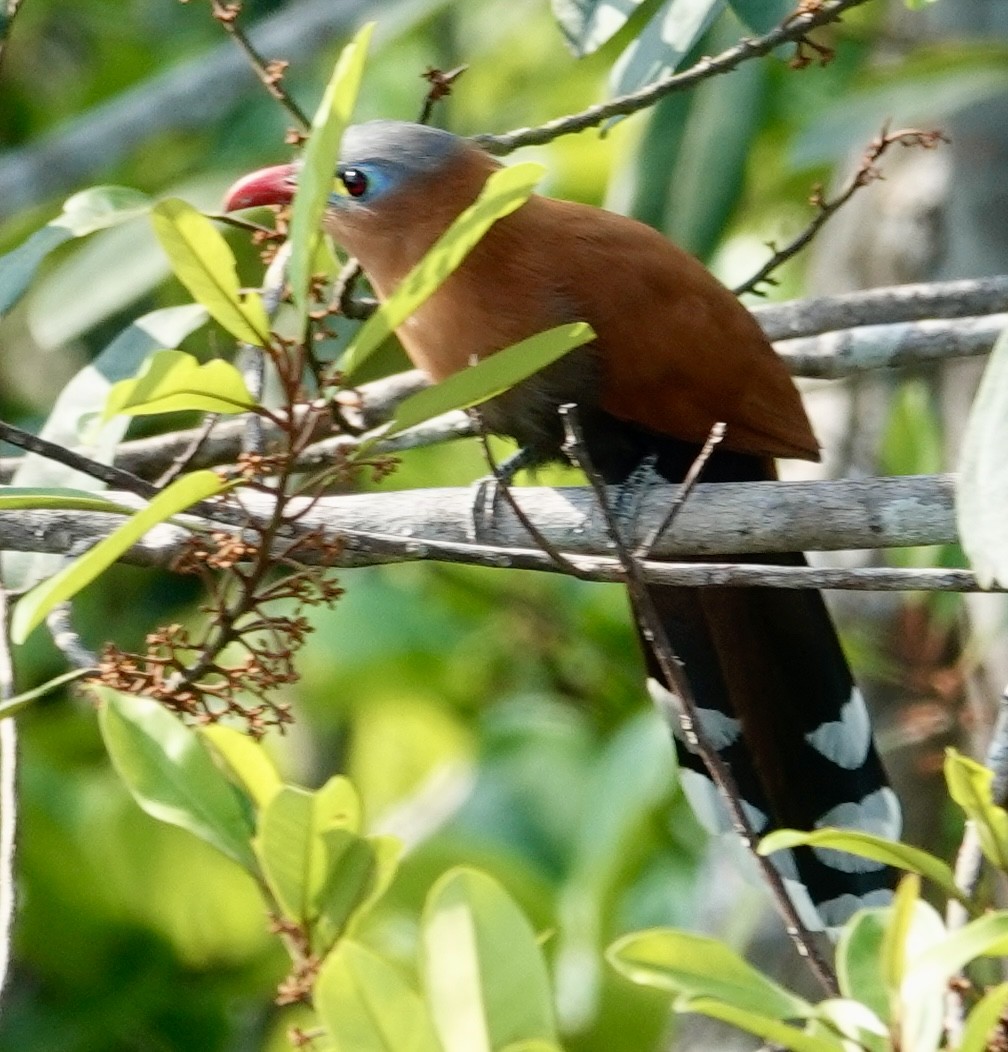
(268, 186)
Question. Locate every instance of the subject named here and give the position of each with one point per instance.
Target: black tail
(778, 701)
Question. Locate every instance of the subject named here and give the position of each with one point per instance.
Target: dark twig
(111, 476)
(441, 84)
(184, 460)
(717, 433)
(795, 29)
(503, 486)
(271, 73)
(672, 670)
(867, 172)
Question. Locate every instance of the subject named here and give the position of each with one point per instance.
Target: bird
(674, 353)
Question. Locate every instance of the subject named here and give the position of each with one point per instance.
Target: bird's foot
(487, 491)
(630, 495)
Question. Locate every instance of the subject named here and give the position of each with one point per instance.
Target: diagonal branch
(794, 29)
(686, 713)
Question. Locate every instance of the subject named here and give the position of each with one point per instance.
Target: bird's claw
(485, 496)
(631, 492)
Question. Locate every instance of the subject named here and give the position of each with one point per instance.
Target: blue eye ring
(354, 181)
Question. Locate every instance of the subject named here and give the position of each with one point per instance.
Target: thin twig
(269, 73)
(441, 84)
(653, 631)
(867, 172)
(503, 486)
(111, 476)
(796, 29)
(184, 460)
(714, 438)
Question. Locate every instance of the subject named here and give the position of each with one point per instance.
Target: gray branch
(942, 299)
(910, 325)
(718, 522)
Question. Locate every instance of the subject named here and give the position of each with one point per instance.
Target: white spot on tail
(836, 912)
(845, 741)
(802, 902)
(877, 813)
(710, 809)
(718, 730)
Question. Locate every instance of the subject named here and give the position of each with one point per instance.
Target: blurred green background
(495, 718)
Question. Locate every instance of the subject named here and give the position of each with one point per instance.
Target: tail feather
(777, 700)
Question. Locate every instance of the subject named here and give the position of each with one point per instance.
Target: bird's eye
(355, 181)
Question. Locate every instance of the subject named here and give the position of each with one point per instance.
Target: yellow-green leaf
(985, 1015)
(767, 1028)
(245, 761)
(698, 966)
(171, 775)
(204, 263)
(94, 209)
(32, 607)
(172, 381)
(969, 785)
(894, 942)
(367, 1005)
(484, 973)
(491, 376)
(315, 178)
(504, 192)
(13, 498)
(866, 845)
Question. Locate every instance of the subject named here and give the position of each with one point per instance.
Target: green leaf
(852, 1021)
(315, 179)
(504, 192)
(697, 966)
(359, 871)
(982, 490)
(173, 381)
(866, 845)
(245, 761)
(588, 24)
(484, 973)
(84, 213)
(859, 960)
(663, 43)
(894, 944)
(32, 608)
(356, 880)
(19, 702)
(14, 497)
(322, 871)
(491, 376)
(771, 1029)
(919, 1007)
(969, 785)
(204, 263)
(535, 1045)
(171, 775)
(761, 16)
(726, 115)
(986, 1015)
(367, 1006)
(986, 936)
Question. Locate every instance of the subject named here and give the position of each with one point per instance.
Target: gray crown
(413, 147)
